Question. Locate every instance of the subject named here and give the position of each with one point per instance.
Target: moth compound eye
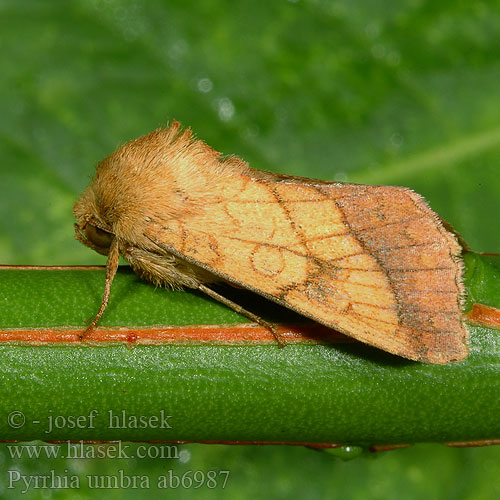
(98, 237)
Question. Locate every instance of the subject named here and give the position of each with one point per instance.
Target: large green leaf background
(375, 92)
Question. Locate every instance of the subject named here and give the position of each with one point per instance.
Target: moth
(373, 262)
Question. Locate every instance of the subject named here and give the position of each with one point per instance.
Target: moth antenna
(111, 268)
(236, 307)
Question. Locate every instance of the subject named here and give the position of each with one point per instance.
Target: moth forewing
(374, 262)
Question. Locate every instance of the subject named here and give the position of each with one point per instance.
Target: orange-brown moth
(373, 262)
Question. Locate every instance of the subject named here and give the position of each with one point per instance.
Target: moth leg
(169, 271)
(236, 307)
(111, 268)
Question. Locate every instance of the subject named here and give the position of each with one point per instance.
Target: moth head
(91, 228)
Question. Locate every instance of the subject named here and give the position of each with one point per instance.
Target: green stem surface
(345, 393)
